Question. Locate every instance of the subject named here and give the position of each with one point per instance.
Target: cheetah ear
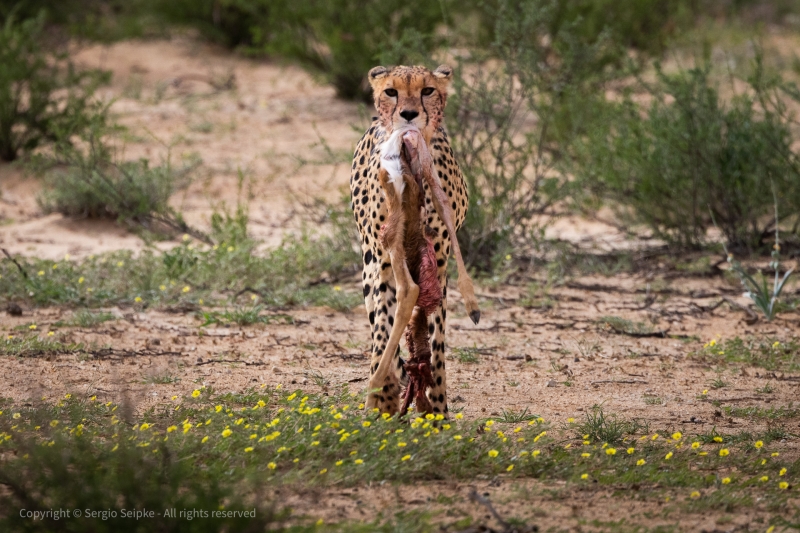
(443, 72)
(376, 74)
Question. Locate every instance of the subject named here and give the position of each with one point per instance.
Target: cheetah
(406, 98)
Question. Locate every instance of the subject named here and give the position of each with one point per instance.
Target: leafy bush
(646, 25)
(513, 112)
(230, 23)
(94, 185)
(43, 97)
(338, 39)
(692, 157)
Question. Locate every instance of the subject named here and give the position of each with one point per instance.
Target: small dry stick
(24, 274)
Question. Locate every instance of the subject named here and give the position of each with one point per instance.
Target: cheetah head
(406, 95)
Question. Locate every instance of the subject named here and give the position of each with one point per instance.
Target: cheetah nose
(409, 115)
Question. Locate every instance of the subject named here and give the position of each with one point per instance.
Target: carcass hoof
(475, 316)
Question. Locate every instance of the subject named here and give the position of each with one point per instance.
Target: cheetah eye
(391, 92)
(427, 91)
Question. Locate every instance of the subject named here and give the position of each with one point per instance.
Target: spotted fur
(404, 95)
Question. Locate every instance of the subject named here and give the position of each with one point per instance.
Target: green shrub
(338, 39)
(646, 25)
(513, 112)
(230, 23)
(690, 157)
(43, 97)
(92, 184)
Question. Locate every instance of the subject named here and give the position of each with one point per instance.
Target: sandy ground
(556, 361)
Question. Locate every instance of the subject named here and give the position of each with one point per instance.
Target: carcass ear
(443, 73)
(376, 74)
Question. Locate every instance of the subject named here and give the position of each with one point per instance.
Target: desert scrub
(36, 345)
(690, 158)
(84, 318)
(765, 298)
(44, 98)
(515, 108)
(770, 354)
(92, 182)
(191, 274)
(298, 272)
(205, 445)
(243, 316)
(338, 40)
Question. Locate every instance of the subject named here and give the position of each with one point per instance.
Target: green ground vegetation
(212, 449)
